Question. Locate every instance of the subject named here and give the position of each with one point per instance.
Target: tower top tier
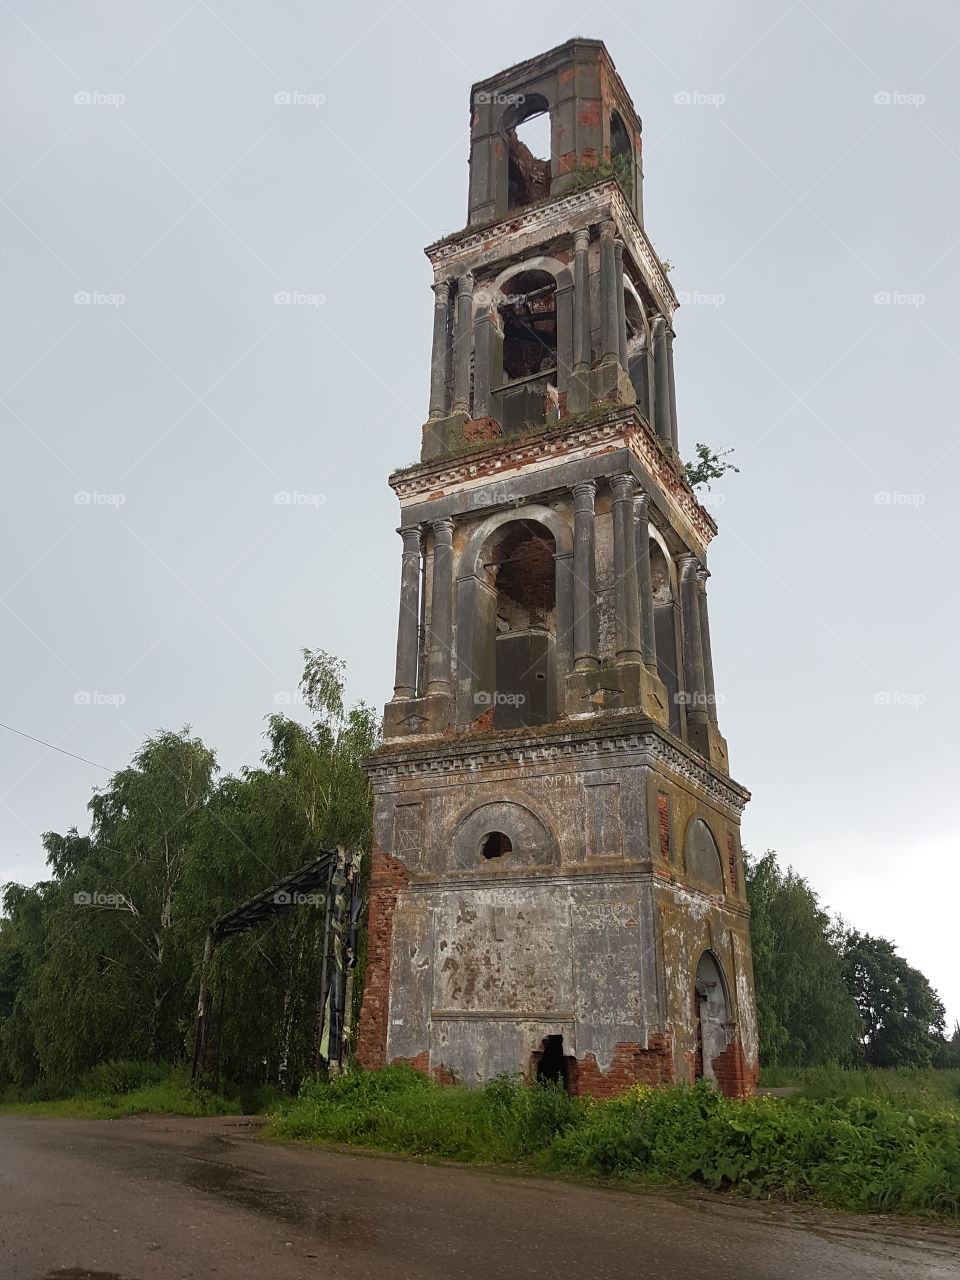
(594, 131)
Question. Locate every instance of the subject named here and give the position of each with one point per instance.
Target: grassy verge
(118, 1089)
(854, 1153)
(924, 1087)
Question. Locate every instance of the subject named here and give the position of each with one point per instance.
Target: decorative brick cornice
(553, 217)
(467, 756)
(565, 442)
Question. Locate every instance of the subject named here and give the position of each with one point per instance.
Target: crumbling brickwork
(387, 877)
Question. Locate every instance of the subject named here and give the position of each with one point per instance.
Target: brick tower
(557, 883)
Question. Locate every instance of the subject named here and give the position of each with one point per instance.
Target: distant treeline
(100, 963)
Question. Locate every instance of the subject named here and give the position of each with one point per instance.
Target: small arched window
(527, 128)
(496, 844)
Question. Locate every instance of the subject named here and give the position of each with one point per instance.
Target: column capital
(623, 487)
(581, 239)
(703, 573)
(442, 529)
(441, 289)
(641, 502)
(608, 229)
(584, 492)
(411, 536)
(618, 248)
(465, 283)
(690, 566)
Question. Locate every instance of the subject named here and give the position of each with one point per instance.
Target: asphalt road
(158, 1199)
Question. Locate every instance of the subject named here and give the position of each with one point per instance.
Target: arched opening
(665, 631)
(520, 569)
(621, 152)
(496, 844)
(702, 857)
(639, 353)
(527, 131)
(529, 321)
(712, 1016)
(550, 1064)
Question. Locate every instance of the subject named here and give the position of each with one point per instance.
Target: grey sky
(787, 196)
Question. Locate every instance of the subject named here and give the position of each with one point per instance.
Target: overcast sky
(802, 173)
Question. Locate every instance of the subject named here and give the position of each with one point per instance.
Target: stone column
(621, 305)
(608, 294)
(462, 345)
(438, 367)
(692, 644)
(581, 301)
(668, 338)
(408, 632)
(585, 656)
(641, 531)
(441, 608)
(625, 588)
(706, 651)
(481, 365)
(661, 382)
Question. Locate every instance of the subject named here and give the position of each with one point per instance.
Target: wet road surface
(159, 1198)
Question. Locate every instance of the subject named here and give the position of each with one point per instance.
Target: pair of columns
(697, 653)
(613, 318)
(633, 593)
(441, 612)
(460, 349)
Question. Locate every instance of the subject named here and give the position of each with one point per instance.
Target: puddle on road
(80, 1273)
(229, 1183)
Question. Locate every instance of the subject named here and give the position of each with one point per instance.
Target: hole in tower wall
(550, 1064)
(528, 160)
(496, 844)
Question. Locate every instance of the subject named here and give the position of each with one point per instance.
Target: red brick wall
(735, 1078)
(663, 821)
(631, 1065)
(387, 878)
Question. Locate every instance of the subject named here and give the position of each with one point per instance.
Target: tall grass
(926, 1087)
(115, 1089)
(847, 1153)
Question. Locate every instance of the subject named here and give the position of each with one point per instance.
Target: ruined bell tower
(557, 883)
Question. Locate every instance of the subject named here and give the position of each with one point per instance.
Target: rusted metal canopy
(279, 897)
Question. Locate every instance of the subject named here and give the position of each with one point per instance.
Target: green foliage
(708, 465)
(100, 964)
(905, 1087)
(805, 1011)
(122, 1089)
(619, 167)
(903, 1018)
(849, 1153)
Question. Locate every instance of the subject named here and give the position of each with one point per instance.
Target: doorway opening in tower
(521, 570)
(550, 1063)
(526, 127)
(712, 1015)
(529, 318)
